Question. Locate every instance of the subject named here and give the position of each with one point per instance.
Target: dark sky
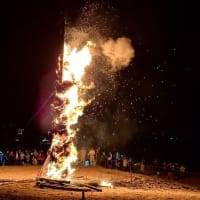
(158, 92)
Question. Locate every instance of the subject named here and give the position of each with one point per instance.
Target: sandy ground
(19, 182)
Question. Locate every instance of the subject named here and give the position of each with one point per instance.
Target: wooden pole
(83, 195)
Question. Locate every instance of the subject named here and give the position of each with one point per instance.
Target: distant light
(174, 49)
(174, 138)
(20, 131)
(45, 140)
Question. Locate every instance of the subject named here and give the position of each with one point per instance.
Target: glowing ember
(67, 106)
(106, 184)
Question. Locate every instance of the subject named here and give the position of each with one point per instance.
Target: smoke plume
(118, 52)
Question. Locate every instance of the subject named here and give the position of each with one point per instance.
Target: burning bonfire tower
(72, 94)
(67, 107)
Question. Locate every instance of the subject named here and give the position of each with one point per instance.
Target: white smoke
(118, 52)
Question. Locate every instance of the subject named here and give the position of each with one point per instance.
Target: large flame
(68, 106)
(75, 62)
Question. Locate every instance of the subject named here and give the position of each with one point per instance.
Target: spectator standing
(170, 168)
(22, 157)
(109, 160)
(142, 166)
(103, 159)
(11, 158)
(117, 160)
(91, 155)
(82, 156)
(182, 171)
(125, 163)
(16, 157)
(97, 152)
(1, 157)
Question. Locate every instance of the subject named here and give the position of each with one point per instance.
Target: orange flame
(74, 64)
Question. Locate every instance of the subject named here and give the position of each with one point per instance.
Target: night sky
(153, 111)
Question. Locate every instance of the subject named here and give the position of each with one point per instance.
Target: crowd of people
(115, 160)
(93, 157)
(22, 157)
